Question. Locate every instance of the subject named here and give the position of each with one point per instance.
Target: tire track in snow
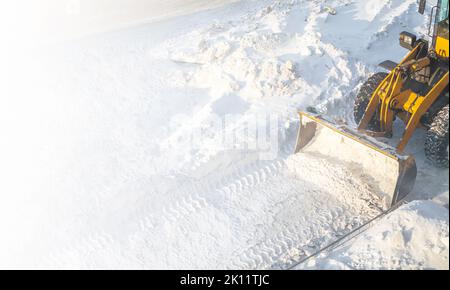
(196, 194)
(291, 242)
(192, 201)
(295, 241)
(285, 249)
(248, 180)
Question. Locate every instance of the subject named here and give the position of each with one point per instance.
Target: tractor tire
(363, 98)
(436, 140)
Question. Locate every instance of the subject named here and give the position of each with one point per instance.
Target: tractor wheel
(363, 98)
(436, 142)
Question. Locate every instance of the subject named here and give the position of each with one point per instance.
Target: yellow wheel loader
(414, 91)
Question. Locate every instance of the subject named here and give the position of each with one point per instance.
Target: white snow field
(133, 149)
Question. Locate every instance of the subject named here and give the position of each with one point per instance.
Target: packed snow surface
(413, 237)
(134, 148)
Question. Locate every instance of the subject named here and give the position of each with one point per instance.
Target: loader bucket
(390, 174)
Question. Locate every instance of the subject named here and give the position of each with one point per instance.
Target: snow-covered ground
(137, 148)
(413, 237)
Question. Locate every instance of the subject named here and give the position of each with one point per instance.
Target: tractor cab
(440, 34)
(441, 27)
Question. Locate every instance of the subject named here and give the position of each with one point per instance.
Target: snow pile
(269, 55)
(416, 236)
